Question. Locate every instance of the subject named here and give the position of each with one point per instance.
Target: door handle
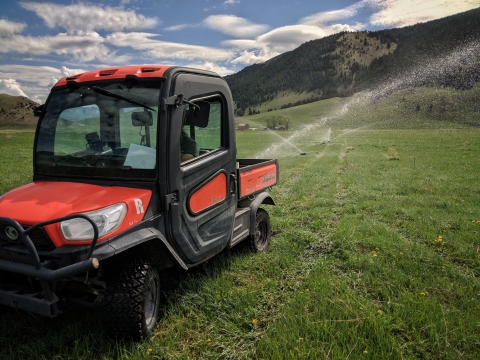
(233, 184)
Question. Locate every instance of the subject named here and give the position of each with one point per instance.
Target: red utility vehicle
(111, 203)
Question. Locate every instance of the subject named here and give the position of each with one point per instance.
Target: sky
(41, 42)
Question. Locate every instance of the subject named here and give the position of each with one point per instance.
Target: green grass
(284, 98)
(371, 258)
(16, 147)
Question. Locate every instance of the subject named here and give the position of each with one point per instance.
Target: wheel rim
(151, 301)
(261, 234)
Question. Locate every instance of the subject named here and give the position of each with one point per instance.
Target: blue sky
(41, 42)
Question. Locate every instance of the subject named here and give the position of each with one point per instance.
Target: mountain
(443, 52)
(17, 110)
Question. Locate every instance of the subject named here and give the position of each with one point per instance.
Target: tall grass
(370, 259)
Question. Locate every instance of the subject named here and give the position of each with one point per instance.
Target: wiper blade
(120, 97)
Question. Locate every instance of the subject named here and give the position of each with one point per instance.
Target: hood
(42, 201)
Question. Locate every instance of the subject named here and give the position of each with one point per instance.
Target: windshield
(108, 130)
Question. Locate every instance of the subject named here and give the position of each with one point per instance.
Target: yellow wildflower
(209, 340)
(254, 321)
(380, 311)
(149, 351)
(423, 293)
(300, 339)
(365, 351)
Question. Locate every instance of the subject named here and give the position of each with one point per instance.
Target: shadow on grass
(77, 332)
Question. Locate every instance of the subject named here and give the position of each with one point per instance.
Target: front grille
(39, 237)
(15, 256)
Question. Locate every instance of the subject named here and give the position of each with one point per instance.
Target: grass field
(375, 252)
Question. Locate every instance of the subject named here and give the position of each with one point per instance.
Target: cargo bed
(255, 175)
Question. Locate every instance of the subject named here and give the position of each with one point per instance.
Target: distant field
(375, 253)
(283, 98)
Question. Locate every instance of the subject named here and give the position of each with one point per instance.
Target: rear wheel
(131, 304)
(260, 240)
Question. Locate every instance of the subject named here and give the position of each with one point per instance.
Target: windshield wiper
(120, 97)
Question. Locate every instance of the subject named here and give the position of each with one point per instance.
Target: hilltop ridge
(17, 110)
(348, 62)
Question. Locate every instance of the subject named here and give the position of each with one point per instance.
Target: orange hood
(42, 201)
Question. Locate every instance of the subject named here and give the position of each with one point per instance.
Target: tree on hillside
(276, 120)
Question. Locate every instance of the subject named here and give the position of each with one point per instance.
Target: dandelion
(401, 253)
(254, 321)
(423, 293)
(149, 351)
(209, 340)
(439, 238)
(380, 311)
(365, 351)
(377, 249)
(300, 339)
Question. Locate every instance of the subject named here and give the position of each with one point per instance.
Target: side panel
(256, 177)
(208, 195)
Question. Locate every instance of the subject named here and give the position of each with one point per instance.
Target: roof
(119, 72)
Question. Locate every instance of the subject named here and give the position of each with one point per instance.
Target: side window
(202, 128)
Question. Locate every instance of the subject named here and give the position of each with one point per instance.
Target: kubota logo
(11, 233)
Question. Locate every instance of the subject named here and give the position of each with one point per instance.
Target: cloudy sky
(41, 42)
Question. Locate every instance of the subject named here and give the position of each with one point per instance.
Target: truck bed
(255, 175)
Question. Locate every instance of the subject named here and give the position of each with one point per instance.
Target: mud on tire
(260, 240)
(131, 304)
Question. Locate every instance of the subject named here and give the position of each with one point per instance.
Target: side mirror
(142, 118)
(38, 110)
(196, 117)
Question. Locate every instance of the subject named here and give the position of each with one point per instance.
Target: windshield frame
(123, 173)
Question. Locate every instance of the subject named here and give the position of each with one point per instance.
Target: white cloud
(399, 13)
(82, 48)
(35, 81)
(11, 87)
(179, 27)
(278, 41)
(231, 2)
(10, 27)
(234, 26)
(211, 66)
(326, 17)
(89, 17)
(167, 50)
(70, 72)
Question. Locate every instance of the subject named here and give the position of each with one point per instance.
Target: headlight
(107, 220)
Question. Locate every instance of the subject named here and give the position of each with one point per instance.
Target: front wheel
(132, 300)
(260, 240)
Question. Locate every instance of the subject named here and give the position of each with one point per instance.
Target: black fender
(261, 198)
(133, 239)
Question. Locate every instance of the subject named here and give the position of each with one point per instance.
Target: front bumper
(41, 302)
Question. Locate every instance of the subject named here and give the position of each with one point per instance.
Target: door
(201, 167)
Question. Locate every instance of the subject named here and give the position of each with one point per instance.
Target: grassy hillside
(442, 52)
(17, 110)
(374, 254)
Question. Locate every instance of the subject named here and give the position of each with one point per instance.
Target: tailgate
(255, 175)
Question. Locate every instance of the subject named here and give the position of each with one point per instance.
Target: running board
(241, 225)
